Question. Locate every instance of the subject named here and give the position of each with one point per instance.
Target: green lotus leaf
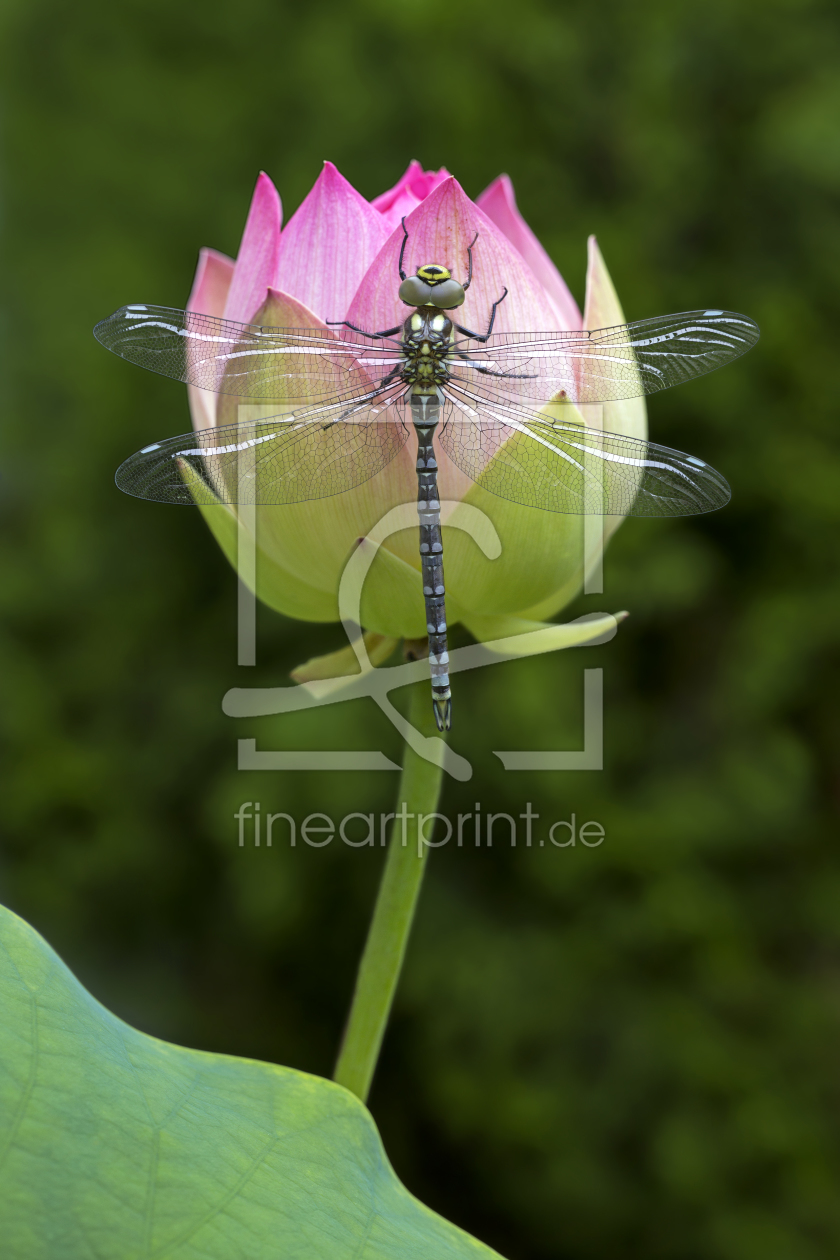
(118, 1146)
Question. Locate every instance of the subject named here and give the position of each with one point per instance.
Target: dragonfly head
(432, 286)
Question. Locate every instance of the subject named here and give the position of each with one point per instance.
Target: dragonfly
(503, 407)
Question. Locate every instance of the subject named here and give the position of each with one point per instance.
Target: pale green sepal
(548, 608)
(513, 636)
(116, 1145)
(392, 596)
(602, 309)
(540, 553)
(277, 588)
(541, 562)
(345, 662)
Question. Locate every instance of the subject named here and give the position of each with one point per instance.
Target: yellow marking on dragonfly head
(433, 273)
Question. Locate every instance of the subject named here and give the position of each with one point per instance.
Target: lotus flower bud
(338, 259)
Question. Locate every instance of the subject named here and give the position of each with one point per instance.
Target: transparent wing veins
(312, 454)
(568, 467)
(608, 364)
(348, 428)
(245, 359)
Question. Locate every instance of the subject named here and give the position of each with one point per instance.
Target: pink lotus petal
(440, 230)
(400, 208)
(212, 282)
(408, 192)
(279, 310)
(328, 245)
(499, 203)
(423, 182)
(386, 200)
(256, 262)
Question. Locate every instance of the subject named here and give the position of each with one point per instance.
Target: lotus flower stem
(381, 962)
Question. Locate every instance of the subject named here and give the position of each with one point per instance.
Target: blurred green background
(627, 1051)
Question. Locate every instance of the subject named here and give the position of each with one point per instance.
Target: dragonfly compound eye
(415, 292)
(448, 294)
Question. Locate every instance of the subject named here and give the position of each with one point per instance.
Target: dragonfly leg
(392, 376)
(484, 336)
(485, 371)
(468, 280)
(402, 249)
(425, 413)
(359, 404)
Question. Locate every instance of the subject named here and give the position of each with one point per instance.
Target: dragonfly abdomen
(425, 411)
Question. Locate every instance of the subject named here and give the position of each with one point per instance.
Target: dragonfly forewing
(607, 364)
(245, 360)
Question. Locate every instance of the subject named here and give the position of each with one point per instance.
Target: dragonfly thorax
(426, 344)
